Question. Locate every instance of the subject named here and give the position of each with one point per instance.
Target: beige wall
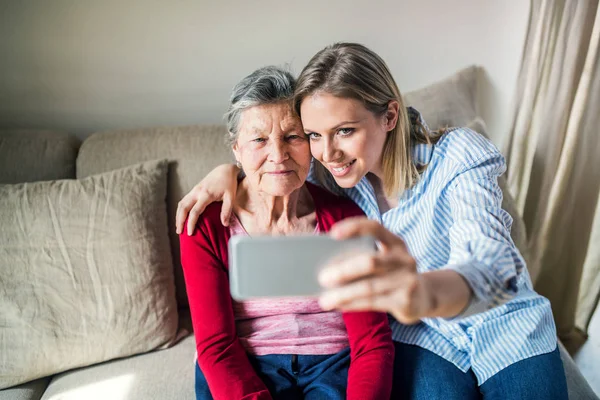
(87, 65)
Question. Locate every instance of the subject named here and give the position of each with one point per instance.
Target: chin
(279, 193)
(281, 190)
(347, 182)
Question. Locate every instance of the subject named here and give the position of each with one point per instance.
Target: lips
(341, 169)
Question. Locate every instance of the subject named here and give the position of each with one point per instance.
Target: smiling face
(272, 149)
(344, 136)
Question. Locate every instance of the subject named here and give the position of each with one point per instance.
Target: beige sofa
(168, 371)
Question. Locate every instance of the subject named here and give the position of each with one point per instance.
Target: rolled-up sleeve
(482, 251)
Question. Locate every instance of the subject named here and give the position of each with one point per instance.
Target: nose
(330, 152)
(278, 152)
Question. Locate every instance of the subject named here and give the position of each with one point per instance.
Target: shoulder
(467, 148)
(212, 214)
(209, 226)
(331, 205)
(209, 240)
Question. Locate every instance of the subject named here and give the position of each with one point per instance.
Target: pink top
(287, 326)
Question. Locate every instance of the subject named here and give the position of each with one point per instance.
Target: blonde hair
(351, 70)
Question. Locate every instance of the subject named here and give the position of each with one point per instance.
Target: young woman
(467, 323)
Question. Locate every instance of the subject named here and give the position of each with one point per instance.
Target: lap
(271, 370)
(308, 377)
(325, 378)
(421, 374)
(538, 377)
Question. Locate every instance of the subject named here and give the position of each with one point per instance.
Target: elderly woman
(266, 348)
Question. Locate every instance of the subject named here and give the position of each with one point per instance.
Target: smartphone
(285, 266)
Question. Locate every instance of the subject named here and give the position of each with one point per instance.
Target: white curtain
(554, 157)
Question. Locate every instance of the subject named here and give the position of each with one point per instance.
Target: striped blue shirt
(452, 219)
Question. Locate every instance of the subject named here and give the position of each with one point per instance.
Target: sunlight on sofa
(116, 388)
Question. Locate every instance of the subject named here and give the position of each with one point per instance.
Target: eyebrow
(337, 126)
(262, 132)
(256, 131)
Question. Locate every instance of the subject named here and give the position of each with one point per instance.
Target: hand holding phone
(285, 266)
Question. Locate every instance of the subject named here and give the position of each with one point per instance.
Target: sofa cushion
(86, 271)
(449, 102)
(161, 375)
(192, 150)
(169, 374)
(29, 156)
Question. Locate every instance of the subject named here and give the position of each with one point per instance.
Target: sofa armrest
(577, 386)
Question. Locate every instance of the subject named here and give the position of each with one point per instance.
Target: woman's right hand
(219, 184)
(388, 280)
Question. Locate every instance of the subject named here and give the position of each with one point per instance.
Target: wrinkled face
(344, 136)
(272, 148)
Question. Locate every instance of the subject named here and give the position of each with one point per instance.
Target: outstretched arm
(388, 280)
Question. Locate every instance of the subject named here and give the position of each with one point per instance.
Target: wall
(83, 66)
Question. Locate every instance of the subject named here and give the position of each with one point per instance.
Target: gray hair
(266, 85)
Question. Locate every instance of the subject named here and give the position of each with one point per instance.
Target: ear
(236, 151)
(391, 115)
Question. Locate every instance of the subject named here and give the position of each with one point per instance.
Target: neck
(385, 203)
(377, 183)
(272, 211)
(377, 171)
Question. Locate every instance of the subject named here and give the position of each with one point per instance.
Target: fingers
(226, 210)
(191, 207)
(382, 304)
(360, 226)
(351, 268)
(193, 217)
(183, 208)
(363, 266)
(366, 290)
(399, 294)
(202, 201)
(376, 303)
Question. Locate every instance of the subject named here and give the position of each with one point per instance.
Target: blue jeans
(295, 376)
(420, 374)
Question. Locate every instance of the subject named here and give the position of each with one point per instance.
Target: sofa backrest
(35, 155)
(192, 152)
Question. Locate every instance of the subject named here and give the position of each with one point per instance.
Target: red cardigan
(221, 356)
